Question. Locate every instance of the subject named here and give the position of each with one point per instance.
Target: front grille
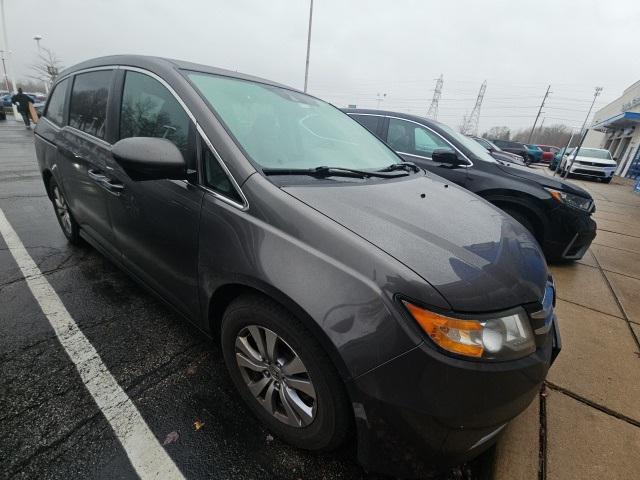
(544, 315)
(582, 171)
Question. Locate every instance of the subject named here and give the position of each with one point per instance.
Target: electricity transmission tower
(437, 93)
(470, 123)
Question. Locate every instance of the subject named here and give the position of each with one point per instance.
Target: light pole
(564, 150)
(306, 68)
(37, 38)
(8, 57)
(583, 132)
(379, 98)
(4, 72)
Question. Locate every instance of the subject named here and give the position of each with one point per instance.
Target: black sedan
(557, 213)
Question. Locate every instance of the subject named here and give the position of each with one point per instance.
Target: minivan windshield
(283, 129)
(470, 144)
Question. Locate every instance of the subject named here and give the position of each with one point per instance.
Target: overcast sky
(362, 48)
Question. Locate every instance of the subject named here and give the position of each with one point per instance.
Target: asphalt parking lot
(51, 427)
(586, 423)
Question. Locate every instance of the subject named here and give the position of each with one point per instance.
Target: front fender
(349, 296)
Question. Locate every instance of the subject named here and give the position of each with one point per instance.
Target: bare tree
(557, 135)
(30, 85)
(498, 133)
(47, 66)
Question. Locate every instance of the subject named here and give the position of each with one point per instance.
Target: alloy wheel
(276, 376)
(62, 210)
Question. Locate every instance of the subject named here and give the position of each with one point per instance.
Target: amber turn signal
(463, 337)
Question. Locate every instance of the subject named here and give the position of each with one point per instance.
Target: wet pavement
(586, 421)
(51, 427)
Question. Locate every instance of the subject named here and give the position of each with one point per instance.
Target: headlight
(500, 338)
(575, 201)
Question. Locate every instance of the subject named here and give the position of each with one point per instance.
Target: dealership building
(616, 127)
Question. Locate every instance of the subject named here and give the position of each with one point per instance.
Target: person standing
(22, 100)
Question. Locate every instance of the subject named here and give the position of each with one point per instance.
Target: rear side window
(370, 122)
(55, 108)
(150, 110)
(89, 98)
(411, 138)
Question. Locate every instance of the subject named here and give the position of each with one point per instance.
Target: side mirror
(150, 158)
(448, 156)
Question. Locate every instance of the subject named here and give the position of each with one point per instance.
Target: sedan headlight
(499, 338)
(570, 199)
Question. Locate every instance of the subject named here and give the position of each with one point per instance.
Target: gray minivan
(350, 291)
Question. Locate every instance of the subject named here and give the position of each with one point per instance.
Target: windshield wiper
(324, 171)
(407, 166)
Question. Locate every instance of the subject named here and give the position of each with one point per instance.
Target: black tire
(607, 180)
(332, 421)
(69, 226)
(522, 219)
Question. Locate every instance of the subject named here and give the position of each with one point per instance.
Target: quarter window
(150, 110)
(89, 99)
(411, 138)
(55, 109)
(215, 177)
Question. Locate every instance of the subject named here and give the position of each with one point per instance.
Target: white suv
(593, 162)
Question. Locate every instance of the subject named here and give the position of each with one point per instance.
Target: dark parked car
(557, 213)
(497, 153)
(514, 147)
(338, 280)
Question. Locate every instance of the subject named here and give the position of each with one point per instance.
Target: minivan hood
(478, 258)
(544, 180)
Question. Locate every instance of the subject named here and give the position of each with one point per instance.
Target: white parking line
(146, 454)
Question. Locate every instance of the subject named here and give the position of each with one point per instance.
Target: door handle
(70, 153)
(112, 186)
(96, 175)
(105, 182)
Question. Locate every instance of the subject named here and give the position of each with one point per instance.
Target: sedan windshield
(478, 150)
(595, 153)
(283, 129)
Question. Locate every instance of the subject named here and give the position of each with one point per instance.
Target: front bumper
(592, 170)
(425, 411)
(568, 234)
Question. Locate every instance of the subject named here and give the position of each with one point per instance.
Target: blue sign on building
(634, 168)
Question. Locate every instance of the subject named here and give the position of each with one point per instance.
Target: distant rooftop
(632, 87)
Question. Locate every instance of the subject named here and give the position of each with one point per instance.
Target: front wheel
(63, 213)
(607, 180)
(521, 219)
(283, 375)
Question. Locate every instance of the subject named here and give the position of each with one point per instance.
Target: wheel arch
(525, 205)
(227, 293)
(46, 178)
